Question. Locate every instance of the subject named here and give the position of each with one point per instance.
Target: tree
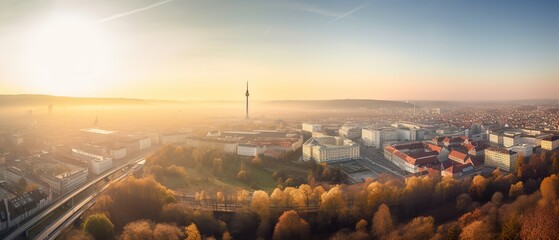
(519, 164)
(542, 224)
(256, 161)
(242, 175)
(463, 202)
(470, 232)
(290, 226)
(141, 229)
(511, 229)
(516, 189)
(497, 198)
(549, 188)
(361, 226)
(260, 204)
(382, 222)
(419, 228)
(554, 163)
(166, 231)
(192, 232)
(479, 184)
(453, 231)
(226, 236)
(99, 226)
(132, 194)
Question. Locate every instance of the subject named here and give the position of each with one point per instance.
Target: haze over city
(282, 120)
(183, 50)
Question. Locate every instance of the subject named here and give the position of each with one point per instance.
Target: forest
(519, 205)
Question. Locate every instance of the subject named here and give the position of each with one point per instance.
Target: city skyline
(292, 50)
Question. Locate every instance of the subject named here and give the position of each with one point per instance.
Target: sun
(68, 55)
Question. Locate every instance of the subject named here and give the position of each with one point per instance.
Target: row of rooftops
(426, 155)
(21, 204)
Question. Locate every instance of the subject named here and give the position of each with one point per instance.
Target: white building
(13, 175)
(311, 127)
(380, 137)
(330, 149)
(495, 137)
(67, 181)
(249, 150)
(500, 158)
(550, 143)
(145, 142)
(118, 152)
(511, 138)
(525, 150)
(98, 166)
(350, 132)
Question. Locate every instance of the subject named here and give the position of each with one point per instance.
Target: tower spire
(246, 94)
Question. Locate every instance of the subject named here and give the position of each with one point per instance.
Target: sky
(315, 49)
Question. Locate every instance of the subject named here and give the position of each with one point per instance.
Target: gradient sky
(208, 49)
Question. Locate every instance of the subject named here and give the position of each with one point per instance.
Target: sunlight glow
(68, 55)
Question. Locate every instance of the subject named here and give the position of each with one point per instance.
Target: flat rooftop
(98, 131)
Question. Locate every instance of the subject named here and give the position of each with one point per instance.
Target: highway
(58, 203)
(56, 228)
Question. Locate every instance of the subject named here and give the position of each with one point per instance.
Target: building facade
(379, 137)
(550, 143)
(67, 181)
(330, 149)
(501, 158)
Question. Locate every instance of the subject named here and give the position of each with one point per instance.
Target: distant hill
(342, 104)
(36, 100)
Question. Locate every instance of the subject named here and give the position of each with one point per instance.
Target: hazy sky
(208, 49)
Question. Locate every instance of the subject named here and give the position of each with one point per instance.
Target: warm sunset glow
(67, 55)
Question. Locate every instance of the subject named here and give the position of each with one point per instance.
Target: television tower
(246, 94)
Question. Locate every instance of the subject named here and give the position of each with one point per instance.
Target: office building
(98, 166)
(350, 132)
(330, 149)
(311, 127)
(550, 143)
(501, 158)
(380, 137)
(67, 181)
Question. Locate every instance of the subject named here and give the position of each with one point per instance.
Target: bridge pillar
(27, 234)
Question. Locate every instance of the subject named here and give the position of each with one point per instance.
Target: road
(58, 203)
(56, 228)
(377, 163)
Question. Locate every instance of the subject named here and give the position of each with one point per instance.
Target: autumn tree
(192, 232)
(141, 229)
(290, 226)
(511, 229)
(99, 226)
(260, 204)
(463, 202)
(516, 189)
(419, 228)
(361, 225)
(479, 184)
(226, 236)
(132, 194)
(382, 222)
(256, 161)
(554, 169)
(166, 231)
(332, 206)
(542, 224)
(549, 189)
(519, 164)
